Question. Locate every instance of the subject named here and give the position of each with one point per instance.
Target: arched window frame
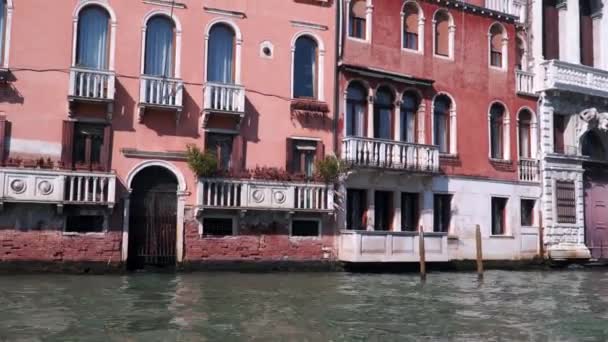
(368, 20)
(113, 23)
(504, 47)
(389, 106)
(524, 56)
(421, 21)
(178, 39)
(452, 124)
(533, 133)
(506, 132)
(6, 39)
(320, 96)
(418, 136)
(365, 103)
(237, 50)
(451, 34)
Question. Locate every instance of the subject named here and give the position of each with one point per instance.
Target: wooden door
(596, 215)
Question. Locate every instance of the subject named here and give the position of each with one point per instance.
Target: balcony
(529, 170)
(524, 82)
(575, 78)
(265, 195)
(222, 99)
(510, 7)
(382, 246)
(92, 86)
(391, 155)
(57, 187)
(160, 93)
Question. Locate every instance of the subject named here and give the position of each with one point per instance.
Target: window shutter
(442, 37)
(67, 141)
(3, 124)
(550, 30)
(289, 155)
(320, 152)
(106, 148)
(236, 155)
(586, 32)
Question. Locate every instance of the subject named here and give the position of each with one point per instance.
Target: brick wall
(248, 246)
(55, 246)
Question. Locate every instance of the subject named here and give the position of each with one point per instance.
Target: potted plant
(330, 168)
(203, 164)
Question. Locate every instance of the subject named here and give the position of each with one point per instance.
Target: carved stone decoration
(18, 186)
(593, 117)
(279, 196)
(258, 196)
(45, 187)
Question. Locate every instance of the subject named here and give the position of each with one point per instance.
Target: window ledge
(453, 237)
(445, 58)
(292, 237)
(412, 51)
(495, 68)
(358, 40)
(502, 237)
(92, 234)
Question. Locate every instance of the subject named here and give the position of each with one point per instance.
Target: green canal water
(507, 306)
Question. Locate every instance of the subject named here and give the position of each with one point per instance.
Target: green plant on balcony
(203, 164)
(330, 168)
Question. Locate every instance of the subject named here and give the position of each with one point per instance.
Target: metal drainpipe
(337, 53)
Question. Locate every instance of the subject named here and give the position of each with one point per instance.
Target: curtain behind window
(409, 107)
(355, 111)
(440, 122)
(220, 62)
(159, 47)
(2, 24)
(305, 68)
(91, 51)
(496, 122)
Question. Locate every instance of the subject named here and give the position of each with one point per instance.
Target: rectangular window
(559, 131)
(88, 145)
(221, 146)
(85, 223)
(383, 210)
(499, 207)
(496, 58)
(356, 209)
(306, 228)
(410, 40)
(565, 201)
(409, 212)
(215, 226)
(357, 27)
(550, 29)
(442, 212)
(303, 154)
(527, 212)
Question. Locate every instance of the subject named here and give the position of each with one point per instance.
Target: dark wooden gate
(596, 213)
(153, 219)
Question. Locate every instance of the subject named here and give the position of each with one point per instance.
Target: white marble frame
(421, 20)
(368, 21)
(504, 48)
(113, 24)
(506, 131)
(238, 46)
(453, 124)
(182, 194)
(534, 148)
(178, 39)
(8, 23)
(451, 34)
(320, 67)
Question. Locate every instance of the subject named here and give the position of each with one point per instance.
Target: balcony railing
(575, 77)
(381, 246)
(254, 194)
(224, 97)
(90, 84)
(524, 82)
(57, 187)
(396, 155)
(161, 91)
(529, 170)
(511, 7)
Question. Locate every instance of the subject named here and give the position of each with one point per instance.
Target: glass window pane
(220, 62)
(305, 68)
(91, 51)
(159, 47)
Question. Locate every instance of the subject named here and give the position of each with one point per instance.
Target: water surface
(506, 306)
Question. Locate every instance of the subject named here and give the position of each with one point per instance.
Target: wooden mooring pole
(541, 237)
(479, 252)
(422, 253)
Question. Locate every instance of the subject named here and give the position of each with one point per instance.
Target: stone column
(125, 225)
(397, 121)
(397, 211)
(181, 206)
(370, 114)
(370, 208)
(426, 209)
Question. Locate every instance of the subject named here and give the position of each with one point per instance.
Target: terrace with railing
(224, 100)
(222, 193)
(529, 170)
(389, 154)
(161, 93)
(90, 85)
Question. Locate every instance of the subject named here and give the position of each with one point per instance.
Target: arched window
(497, 45)
(305, 68)
(160, 47)
(520, 50)
(592, 146)
(497, 118)
(444, 34)
(525, 134)
(441, 123)
(409, 110)
(220, 62)
(356, 108)
(4, 11)
(411, 20)
(357, 19)
(92, 43)
(383, 112)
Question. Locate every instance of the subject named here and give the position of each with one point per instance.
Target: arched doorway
(595, 193)
(152, 218)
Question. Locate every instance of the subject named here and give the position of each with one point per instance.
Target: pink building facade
(101, 98)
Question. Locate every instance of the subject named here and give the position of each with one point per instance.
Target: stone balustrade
(90, 84)
(529, 170)
(158, 91)
(577, 78)
(524, 82)
(57, 187)
(224, 97)
(254, 194)
(390, 154)
(511, 7)
(383, 246)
